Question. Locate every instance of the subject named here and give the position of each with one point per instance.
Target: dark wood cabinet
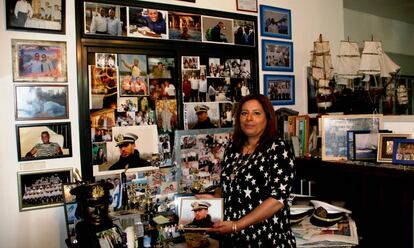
(380, 197)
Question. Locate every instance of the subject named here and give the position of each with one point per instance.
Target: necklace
(244, 162)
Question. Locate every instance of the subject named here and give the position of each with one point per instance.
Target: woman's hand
(222, 227)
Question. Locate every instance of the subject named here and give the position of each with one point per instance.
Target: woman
(257, 176)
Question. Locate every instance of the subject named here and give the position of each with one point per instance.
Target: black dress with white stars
(247, 181)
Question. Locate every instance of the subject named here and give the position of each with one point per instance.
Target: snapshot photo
(103, 86)
(104, 19)
(244, 32)
(217, 30)
(36, 15)
(133, 65)
(106, 59)
(277, 55)
(276, 22)
(165, 150)
(132, 147)
(280, 89)
(103, 118)
(41, 102)
(200, 214)
(41, 189)
(43, 141)
(162, 89)
(39, 61)
(201, 115)
(147, 23)
(190, 62)
(215, 68)
(184, 26)
(167, 118)
(161, 67)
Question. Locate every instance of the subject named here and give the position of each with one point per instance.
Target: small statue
(96, 225)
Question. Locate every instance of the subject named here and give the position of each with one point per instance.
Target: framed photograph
(280, 89)
(277, 55)
(200, 214)
(275, 22)
(386, 145)
(334, 132)
(403, 151)
(247, 5)
(41, 102)
(43, 141)
(104, 19)
(198, 154)
(41, 189)
(39, 61)
(365, 145)
(36, 15)
(70, 206)
(217, 30)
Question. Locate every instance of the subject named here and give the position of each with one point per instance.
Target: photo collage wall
(149, 98)
(139, 22)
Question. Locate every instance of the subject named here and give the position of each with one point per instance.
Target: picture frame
(277, 55)
(386, 145)
(365, 145)
(247, 5)
(41, 102)
(334, 132)
(280, 89)
(195, 165)
(39, 61)
(70, 206)
(43, 141)
(403, 151)
(192, 210)
(33, 194)
(213, 32)
(275, 22)
(42, 17)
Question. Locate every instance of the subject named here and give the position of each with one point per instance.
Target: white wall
(46, 227)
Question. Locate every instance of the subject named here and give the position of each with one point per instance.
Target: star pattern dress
(258, 176)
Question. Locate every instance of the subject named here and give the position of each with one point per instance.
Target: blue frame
(276, 102)
(284, 23)
(267, 66)
(402, 160)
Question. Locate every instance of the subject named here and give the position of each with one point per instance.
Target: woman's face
(253, 119)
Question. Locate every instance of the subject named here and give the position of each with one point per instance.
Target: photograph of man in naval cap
(202, 218)
(129, 156)
(203, 119)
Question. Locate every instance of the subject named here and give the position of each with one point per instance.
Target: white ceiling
(402, 10)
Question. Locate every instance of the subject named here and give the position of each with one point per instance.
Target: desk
(380, 197)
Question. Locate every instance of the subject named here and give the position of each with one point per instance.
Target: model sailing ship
(374, 65)
(322, 73)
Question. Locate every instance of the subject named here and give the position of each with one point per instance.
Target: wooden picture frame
(247, 5)
(39, 17)
(39, 61)
(334, 132)
(43, 141)
(41, 102)
(280, 89)
(277, 55)
(36, 191)
(386, 146)
(403, 151)
(275, 22)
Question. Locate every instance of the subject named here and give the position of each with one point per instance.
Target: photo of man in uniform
(203, 120)
(202, 218)
(129, 156)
